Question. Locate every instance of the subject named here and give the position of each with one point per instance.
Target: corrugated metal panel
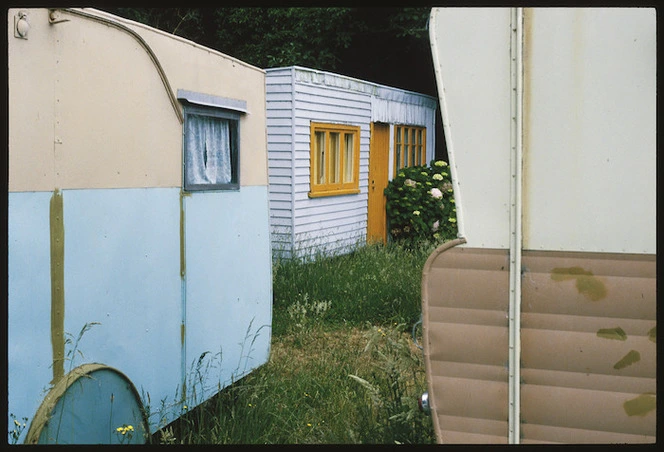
(464, 309)
(588, 352)
(587, 349)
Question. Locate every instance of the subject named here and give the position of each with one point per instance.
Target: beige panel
(114, 120)
(587, 350)
(549, 284)
(471, 316)
(469, 370)
(545, 434)
(96, 113)
(476, 344)
(582, 409)
(463, 430)
(195, 68)
(30, 119)
(470, 398)
(587, 345)
(586, 380)
(464, 308)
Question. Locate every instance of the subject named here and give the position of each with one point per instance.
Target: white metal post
(516, 76)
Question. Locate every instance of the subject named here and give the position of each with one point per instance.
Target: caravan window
(211, 141)
(211, 145)
(409, 147)
(335, 159)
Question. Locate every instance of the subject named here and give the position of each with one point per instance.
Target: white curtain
(208, 150)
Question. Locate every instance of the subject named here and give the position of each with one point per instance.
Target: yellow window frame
(335, 159)
(410, 147)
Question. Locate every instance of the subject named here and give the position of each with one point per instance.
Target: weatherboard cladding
(279, 120)
(295, 98)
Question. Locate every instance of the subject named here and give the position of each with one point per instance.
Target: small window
(409, 147)
(335, 159)
(211, 141)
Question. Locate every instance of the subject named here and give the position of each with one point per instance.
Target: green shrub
(420, 204)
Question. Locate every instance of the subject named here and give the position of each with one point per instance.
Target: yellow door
(378, 178)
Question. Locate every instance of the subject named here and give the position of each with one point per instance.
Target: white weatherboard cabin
(333, 143)
(137, 216)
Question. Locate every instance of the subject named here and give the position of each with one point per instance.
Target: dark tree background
(386, 45)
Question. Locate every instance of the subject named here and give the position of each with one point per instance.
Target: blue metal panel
(228, 287)
(122, 269)
(29, 303)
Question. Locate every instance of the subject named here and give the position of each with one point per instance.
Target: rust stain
(652, 334)
(586, 283)
(630, 358)
(612, 333)
(183, 266)
(641, 405)
(57, 233)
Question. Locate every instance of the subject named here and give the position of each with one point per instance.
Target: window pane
(348, 157)
(413, 148)
(406, 161)
(398, 157)
(319, 156)
(207, 150)
(335, 157)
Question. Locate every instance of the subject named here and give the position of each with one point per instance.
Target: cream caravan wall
(588, 125)
(96, 95)
(474, 87)
(590, 128)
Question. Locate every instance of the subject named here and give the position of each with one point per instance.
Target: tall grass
(375, 283)
(343, 367)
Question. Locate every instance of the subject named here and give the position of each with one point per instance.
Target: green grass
(343, 366)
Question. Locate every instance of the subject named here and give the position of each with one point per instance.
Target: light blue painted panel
(228, 285)
(29, 303)
(122, 269)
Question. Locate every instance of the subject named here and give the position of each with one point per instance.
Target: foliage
(420, 204)
(397, 378)
(273, 37)
(385, 45)
(17, 429)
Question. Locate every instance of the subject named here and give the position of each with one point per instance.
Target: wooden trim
(417, 150)
(328, 188)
